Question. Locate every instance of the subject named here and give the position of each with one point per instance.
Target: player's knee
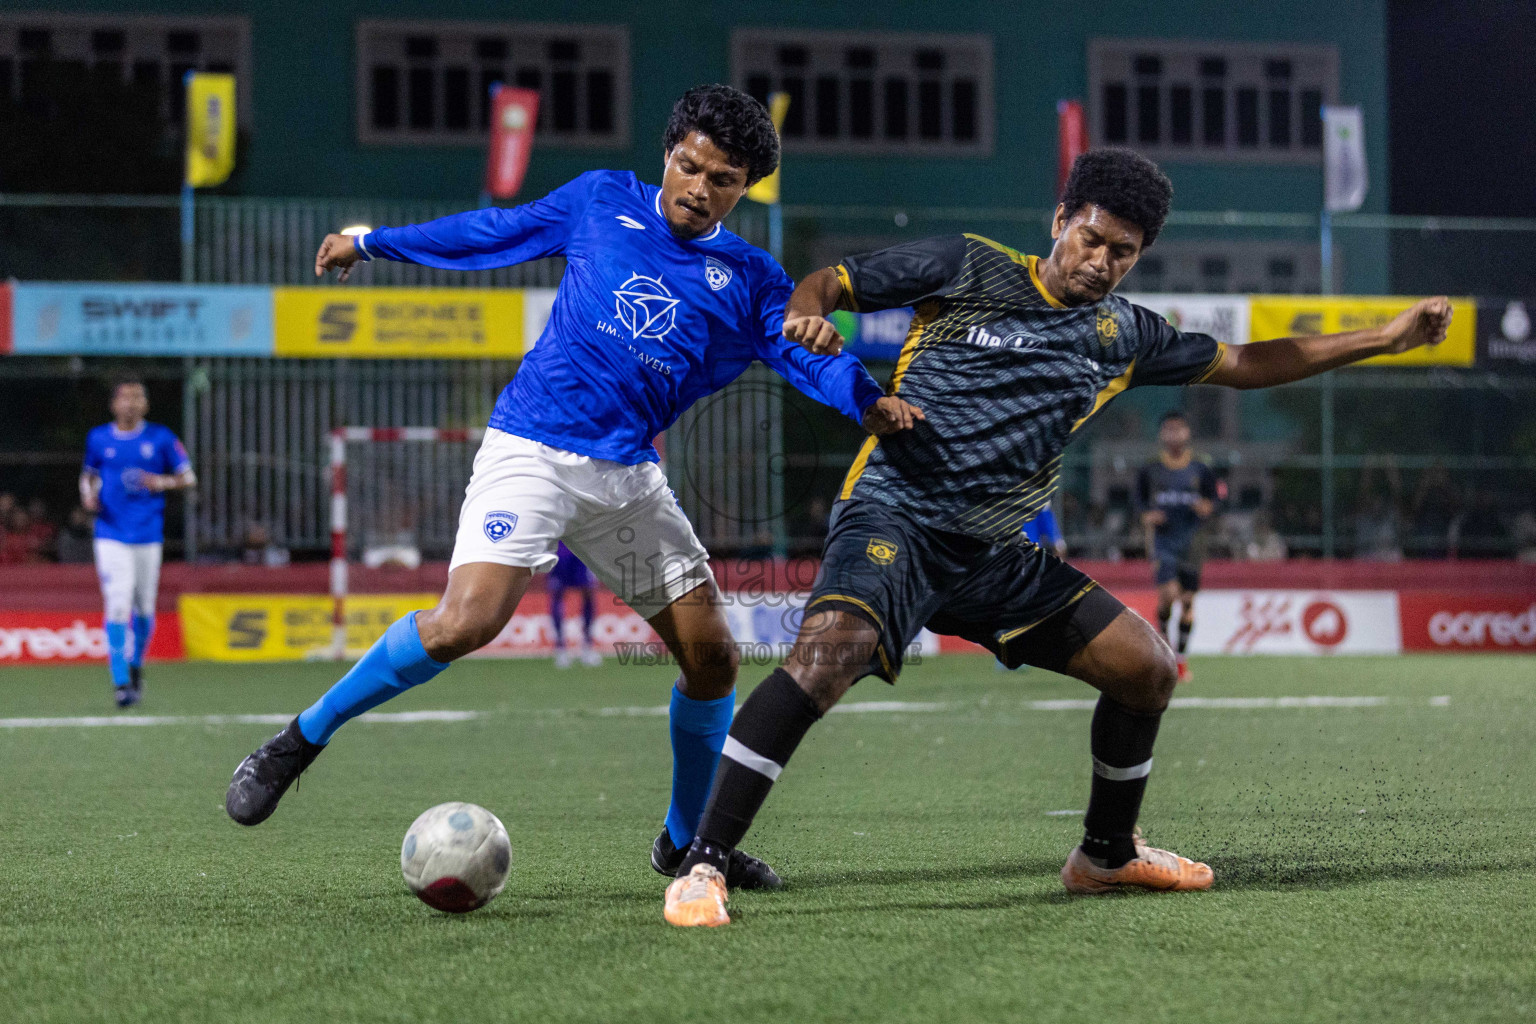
(452, 631)
(709, 670)
(1154, 680)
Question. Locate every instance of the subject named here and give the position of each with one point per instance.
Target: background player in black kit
(1008, 355)
(1176, 493)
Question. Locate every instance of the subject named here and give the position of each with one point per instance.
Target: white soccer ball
(456, 857)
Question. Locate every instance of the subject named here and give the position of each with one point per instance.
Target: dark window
(562, 87)
(1311, 118)
(1115, 119)
(827, 97)
(105, 72)
(1213, 117)
(793, 57)
(1277, 70)
(421, 94)
(146, 75)
(860, 57)
(182, 42)
(176, 90)
(861, 108)
(1148, 65)
(930, 60)
(1280, 118)
(600, 102)
(963, 110)
(456, 99)
(1150, 266)
(533, 78)
(564, 49)
(794, 118)
(5, 78)
(1148, 113)
(1181, 115)
(759, 87)
(488, 78)
(491, 49)
(422, 47)
(930, 113)
(1214, 266)
(896, 114)
(1282, 269)
(108, 41)
(1213, 67)
(1247, 117)
(219, 67)
(34, 42)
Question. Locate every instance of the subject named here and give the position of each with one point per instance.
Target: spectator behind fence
(258, 548)
(1435, 505)
(1265, 544)
(74, 545)
(23, 542)
(1377, 530)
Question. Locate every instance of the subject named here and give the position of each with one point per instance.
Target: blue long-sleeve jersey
(644, 324)
(1043, 529)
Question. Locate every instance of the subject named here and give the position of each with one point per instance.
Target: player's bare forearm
(805, 314)
(1265, 364)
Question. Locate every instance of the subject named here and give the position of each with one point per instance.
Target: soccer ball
(455, 857)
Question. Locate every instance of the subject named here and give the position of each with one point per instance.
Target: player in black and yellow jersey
(1007, 357)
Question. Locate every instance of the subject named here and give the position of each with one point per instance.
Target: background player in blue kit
(571, 573)
(1045, 531)
(129, 465)
(659, 306)
(1176, 493)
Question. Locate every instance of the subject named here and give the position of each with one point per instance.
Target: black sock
(1186, 627)
(1122, 758)
(1162, 622)
(767, 729)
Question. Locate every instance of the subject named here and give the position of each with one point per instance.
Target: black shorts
(1166, 567)
(1018, 600)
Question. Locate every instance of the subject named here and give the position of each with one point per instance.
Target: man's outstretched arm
(1263, 364)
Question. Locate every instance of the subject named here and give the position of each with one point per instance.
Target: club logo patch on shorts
(499, 525)
(881, 552)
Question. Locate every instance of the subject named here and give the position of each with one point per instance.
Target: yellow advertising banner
(1287, 316)
(210, 128)
(284, 627)
(767, 190)
(398, 323)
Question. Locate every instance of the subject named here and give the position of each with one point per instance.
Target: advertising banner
(398, 323)
(1505, 341)
(877, 335)
(284, 627)
(1284, 316)
(514, 113)
(69, 638)
(1468, 621)
(210, 128)
(141, 320)
(1223, 317)
(1296, 622)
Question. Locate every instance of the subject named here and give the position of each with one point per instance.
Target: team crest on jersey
(645, 307)
(881, 552)
(146, 449)
(499, 525)
(716, 273)
(1109, 327)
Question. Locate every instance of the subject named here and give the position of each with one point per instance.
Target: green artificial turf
(1372, 863)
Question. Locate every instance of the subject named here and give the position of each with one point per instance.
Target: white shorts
(622, 521)
(130, 577)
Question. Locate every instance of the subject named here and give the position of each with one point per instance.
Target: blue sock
(143, 629)
(698, 734)
(394, 664)
(117, 652)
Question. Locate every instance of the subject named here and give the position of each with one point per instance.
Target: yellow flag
(210, 128)
(767, 190)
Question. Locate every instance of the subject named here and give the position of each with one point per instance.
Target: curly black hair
(734, 121)
(1124, 183)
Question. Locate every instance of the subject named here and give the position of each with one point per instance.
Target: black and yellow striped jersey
(1005, 374)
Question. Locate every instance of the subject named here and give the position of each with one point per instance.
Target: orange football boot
(697, 899)
(1155, 869)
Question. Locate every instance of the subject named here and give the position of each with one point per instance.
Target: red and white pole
(339, 542)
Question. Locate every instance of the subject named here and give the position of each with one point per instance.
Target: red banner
(1071, 138)
(5, 317)
(1468, 620)
(64, 638)
(514, 113)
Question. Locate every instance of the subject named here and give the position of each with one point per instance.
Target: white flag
(1343, 159)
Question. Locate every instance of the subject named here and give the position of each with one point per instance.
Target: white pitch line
(93, 721)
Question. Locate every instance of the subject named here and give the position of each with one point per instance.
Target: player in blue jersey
(571, 573)
(1175, 494)
(659, 306)
(129, 465)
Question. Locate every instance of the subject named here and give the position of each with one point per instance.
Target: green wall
(303, 141)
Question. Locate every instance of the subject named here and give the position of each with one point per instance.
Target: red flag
(514, 112)
(1071, 138)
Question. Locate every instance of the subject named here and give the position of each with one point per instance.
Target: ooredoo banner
(1296, 622)
(1468, 621)
(65, 638)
